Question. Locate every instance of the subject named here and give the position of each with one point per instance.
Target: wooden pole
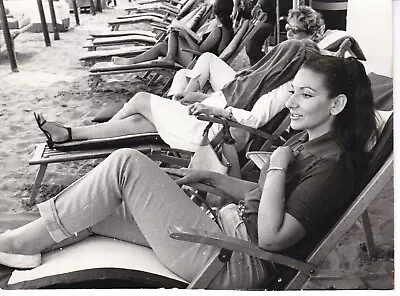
(92, 8)
(54, 20)
(8, 38)
(44, 23)
(76, 12)
(98, 4)
(278, 24)
(295, 4)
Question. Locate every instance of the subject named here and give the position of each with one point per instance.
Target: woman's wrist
(276, 169)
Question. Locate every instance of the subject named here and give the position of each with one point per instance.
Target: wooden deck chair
(150, 144)
(135, 37)
(163, 18)
(242, 36)
(173, 8)
(17, 26)
(88, 264)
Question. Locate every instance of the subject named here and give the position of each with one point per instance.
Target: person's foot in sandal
(55, 133)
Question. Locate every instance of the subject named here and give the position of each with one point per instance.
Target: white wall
(370, 22)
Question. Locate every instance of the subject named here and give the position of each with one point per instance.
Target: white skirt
(179, 129)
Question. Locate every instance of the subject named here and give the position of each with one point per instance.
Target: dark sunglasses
(294, 29)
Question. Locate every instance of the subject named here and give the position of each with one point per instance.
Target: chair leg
(153, 79)
(369, 239)
(36, 185)
(96, 80)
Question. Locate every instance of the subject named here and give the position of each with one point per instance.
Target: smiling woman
(330, 93)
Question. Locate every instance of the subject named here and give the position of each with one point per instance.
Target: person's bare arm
(277, 230)
(189, 98)
(233, 188)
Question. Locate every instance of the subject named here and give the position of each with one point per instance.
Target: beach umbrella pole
(44, 24)
(54, 20)
(98, 4)
(76, 13)
(92, 8)
(7, 38)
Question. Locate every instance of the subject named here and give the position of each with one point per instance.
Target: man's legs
(254, 47)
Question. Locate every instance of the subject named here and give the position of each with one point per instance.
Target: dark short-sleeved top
(320, 183)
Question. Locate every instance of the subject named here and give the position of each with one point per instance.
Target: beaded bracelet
(276, 169)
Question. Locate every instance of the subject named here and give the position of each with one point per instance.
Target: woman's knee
(139, 100)
(206, 57)
(124, 155)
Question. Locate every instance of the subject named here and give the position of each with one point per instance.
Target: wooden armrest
(223, 241)
(260, 158)
(193, 51)
(237, 125)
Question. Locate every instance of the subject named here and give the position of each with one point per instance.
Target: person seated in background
(308, 182)
(253, 99)
(248, 9)
(302, 23)
(213, 37)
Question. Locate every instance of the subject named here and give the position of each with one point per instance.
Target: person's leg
(254, 47)
(153, 199)
(134, 118)
(131, 125)
(138, 104)
(153, 53)
(208, 68)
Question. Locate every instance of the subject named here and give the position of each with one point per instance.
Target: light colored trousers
(128, 197)
(208, 67)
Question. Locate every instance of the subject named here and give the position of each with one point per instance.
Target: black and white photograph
(167, 145)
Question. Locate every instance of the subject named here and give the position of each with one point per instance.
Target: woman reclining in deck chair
(307, 183)
(262, 94)
(302, 23)
(215, 36)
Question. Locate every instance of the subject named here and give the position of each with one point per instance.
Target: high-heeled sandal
(50, 141)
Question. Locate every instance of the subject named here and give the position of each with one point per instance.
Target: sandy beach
(53, 81)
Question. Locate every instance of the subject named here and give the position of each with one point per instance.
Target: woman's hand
(256, 10)
(198, 108)
(187, 176)
(190, 97)
(282, 157)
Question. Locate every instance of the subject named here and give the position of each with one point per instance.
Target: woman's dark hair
(356, 124)
(223, 10)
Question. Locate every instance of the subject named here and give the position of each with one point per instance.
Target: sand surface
(52, 80)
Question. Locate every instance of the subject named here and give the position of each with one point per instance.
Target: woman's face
(296, 30)
(309, 105)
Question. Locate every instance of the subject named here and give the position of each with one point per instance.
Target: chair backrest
(378, 174)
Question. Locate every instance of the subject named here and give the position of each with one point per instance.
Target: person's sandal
(50, 141)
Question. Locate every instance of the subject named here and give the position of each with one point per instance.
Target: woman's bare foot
(122, 61)
(167, 61)
(54, 131)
